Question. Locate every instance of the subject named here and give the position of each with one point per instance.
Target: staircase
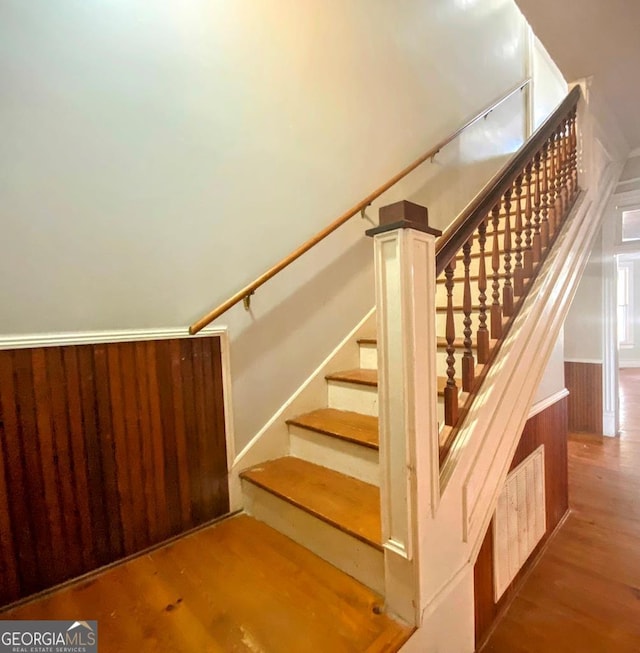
(402, 503)
(325, 494)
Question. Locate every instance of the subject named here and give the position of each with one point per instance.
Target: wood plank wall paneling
(105, 450)
(550, 427)
(584, 382)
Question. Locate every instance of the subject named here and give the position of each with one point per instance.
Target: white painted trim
(610, 398)
(590, 361)
(629, 363)
(29, 340)
(227, 387)
(409, 475)
(610, 424)
(543, 404)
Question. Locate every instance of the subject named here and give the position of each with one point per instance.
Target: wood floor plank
(342, 501)
(584, 594)
(344, 424)
(235, 586)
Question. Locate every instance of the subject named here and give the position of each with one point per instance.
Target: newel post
(404, 246)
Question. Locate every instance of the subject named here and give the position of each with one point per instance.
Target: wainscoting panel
(584, 382)
(105, 450)
(548, 428)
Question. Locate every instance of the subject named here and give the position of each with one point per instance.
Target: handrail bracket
(246, 300)
(364, 216)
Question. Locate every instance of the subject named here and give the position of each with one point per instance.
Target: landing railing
(507, 229)
(244, 295)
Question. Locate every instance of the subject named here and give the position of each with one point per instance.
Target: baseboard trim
(627, 364)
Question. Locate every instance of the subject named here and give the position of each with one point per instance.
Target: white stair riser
(368, 356)
(340, 455)
(352, 396)
(361, 561)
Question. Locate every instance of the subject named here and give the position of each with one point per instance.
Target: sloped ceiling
(599, 38)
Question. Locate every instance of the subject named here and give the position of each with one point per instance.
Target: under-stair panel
(520, 519)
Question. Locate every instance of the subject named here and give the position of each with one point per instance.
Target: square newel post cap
(403, 215)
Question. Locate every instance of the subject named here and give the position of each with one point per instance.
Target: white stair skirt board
(368, 356)
(520, 519)
(340, 455)
(361, 561)
(355, 397)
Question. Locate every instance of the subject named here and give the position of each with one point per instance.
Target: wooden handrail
(248, 290)
(452, 240)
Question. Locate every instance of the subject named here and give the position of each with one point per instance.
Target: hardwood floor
(237, 586)
(584, 594)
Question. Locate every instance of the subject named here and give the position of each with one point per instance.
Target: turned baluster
(468, 372)
(528, 215)
(483, 332)
(450, 390)
(507, 288)
(551, 198)
(518, 271)
(496, 308)
(544, 198)
(537, 241)
(565, 166)
(573, 130)
(555, 181)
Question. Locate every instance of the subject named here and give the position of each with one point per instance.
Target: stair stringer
(478, 462)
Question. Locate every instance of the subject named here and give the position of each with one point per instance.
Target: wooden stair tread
(367, 341)
(344, 424)
(342, 501)
(359, 376)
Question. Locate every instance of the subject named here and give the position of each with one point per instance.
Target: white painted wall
(552, 381)
(156, 157)
(583, 329)
(549, 84)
